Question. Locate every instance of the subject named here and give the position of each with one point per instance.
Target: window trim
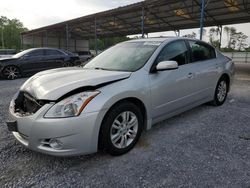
(153, 66)
(202, 43)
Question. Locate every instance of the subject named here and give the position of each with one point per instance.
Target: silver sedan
(118, 94)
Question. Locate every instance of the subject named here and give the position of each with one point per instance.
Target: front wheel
(221, 91)
(11, 72)
(121, 129)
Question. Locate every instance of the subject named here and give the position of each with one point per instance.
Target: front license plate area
(12, 126)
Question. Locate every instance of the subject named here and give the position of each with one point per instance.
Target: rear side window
(53, 52)
(200, 51)
(175, 51)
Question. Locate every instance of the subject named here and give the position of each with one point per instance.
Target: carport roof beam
(163, 19)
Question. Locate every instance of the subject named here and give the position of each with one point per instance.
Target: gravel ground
(204, 147)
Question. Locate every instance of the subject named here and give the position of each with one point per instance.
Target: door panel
(32, 62)
(54, 59)
(206, 67)
(173, 89)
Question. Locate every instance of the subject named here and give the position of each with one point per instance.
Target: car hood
(53, 84)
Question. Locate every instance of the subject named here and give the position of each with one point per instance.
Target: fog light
(55, 144)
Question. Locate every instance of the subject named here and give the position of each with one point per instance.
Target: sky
(38, 13)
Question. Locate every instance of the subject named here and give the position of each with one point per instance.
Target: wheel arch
(133, 100)
(227, 78)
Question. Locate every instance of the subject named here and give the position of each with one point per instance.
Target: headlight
(71, 106)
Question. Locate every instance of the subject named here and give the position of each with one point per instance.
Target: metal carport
(146, 17)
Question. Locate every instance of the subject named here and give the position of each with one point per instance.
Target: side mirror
(166, 65)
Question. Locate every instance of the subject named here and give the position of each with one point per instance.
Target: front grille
(26, 105)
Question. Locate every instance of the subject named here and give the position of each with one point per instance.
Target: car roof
(44, 48)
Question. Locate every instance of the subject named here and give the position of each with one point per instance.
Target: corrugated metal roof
(159, 15)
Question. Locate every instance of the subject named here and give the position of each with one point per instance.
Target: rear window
(53, 52)
(201, 51)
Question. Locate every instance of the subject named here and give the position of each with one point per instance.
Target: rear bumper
(58, 137)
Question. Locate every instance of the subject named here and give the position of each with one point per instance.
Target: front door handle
(190, 75)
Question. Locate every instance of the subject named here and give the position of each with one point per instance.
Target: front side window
(200, 51)
(175, 51)
(35, 53)
(129, 56)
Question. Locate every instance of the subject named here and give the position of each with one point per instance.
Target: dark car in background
(33, 60)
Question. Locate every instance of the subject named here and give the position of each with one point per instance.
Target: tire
(67, 64)
(221, 91)
(77, 63)
(11, 72)
(118, 136)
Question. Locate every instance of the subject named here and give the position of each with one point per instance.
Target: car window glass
(201, 52)
(129, 56)
(175, 51)
(35, 53)
(53, 52)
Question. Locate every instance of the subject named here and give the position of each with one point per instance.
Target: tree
(235, 39)
(231, 37)
(213, 37)
(11, 30)
(192, 35)
(241, 41)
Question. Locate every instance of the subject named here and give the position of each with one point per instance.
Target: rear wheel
(11, 72)
(221, 91)
(121, 129)
(67, 64)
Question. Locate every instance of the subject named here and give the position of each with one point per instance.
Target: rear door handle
(190, 75)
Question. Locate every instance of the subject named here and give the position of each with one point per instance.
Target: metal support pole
(220, 28)
(67, 37)
(75, 45)
(33, 41)
(21, 42)
(46, 38)
(202, 18)
(142, 22)
(59, 42)
(2, 37)
(96, 46)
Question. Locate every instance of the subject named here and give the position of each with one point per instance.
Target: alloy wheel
(11, 72)
(222, 91)
(124, 129)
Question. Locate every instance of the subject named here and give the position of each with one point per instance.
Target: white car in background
(85, 55)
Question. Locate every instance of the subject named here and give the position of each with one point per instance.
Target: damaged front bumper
(55, 136)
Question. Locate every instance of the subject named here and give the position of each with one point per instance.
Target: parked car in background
(33, 60)
(85, 55)
(118, 94)
(5, 53)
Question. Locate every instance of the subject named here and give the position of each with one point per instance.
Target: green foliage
(214, 37)
(191, 36)
(105, 43)
(235, 40)
(10, 32)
